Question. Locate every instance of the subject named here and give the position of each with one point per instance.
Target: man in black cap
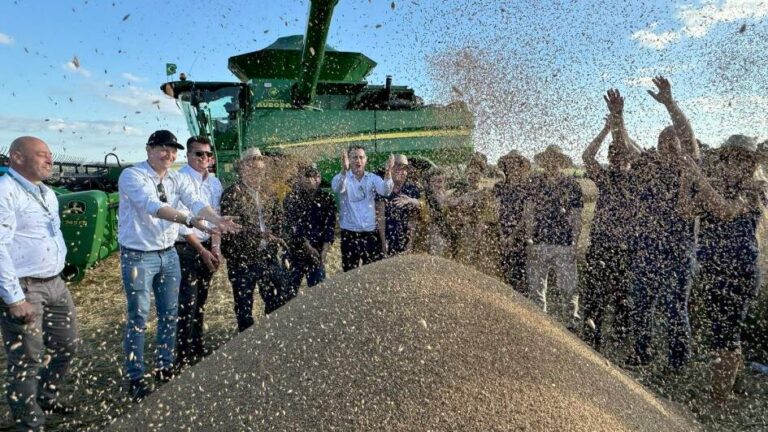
(148, 226)
(309, 227)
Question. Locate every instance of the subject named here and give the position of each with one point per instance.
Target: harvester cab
(299, 96)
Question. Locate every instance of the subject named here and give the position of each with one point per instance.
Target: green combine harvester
(300, 96)
(296, 96)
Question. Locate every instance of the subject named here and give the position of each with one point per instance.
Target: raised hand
(344, 161)
(664, 95)
(390, 163)
(405, 201)
(615, 102)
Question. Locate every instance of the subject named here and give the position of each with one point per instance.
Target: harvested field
(387, 348)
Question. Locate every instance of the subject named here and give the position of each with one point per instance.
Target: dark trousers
(607, 280)
(512, 263)
(193, 292)
(356, 246)
(30, 379)
(729, 286)
(269, 275)
(301, 268)
(662, 275)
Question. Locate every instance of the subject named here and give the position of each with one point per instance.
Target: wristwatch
(188, 221)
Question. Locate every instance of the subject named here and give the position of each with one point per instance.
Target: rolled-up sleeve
(10, 290)
(139, 191)
(339, 183)
(190, 195)
(383, 187)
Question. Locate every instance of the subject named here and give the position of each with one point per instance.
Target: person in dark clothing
(730, 205)
(511, 194)
(397, 211)
(607, 262)
(253, 256)
(553, 222)
(308, 227)
(662, 240)
(441, 235)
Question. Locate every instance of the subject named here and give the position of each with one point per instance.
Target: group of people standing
(658, 211)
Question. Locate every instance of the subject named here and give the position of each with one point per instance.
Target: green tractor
(300, 96)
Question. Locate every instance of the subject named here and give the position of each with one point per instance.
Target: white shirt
(31, 243)
(138, 228)
(357, 211)
(210, 190)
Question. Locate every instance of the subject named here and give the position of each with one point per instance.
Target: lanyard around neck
(36, 197)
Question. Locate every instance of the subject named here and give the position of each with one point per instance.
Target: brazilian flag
(170, 68)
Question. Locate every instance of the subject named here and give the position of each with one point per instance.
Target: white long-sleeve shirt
(31, 243)
(357, 210)
(210, 190)
(138, 226)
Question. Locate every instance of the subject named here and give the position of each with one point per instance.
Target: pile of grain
(411, 343)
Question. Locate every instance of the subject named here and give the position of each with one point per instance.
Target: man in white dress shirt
(199, 255)
(357, 191)
(32, 253)
(148, 226)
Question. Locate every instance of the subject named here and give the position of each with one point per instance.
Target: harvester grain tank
(301, 96)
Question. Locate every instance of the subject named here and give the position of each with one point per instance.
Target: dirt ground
(96, 385)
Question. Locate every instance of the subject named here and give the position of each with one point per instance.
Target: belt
(149, 251)
(40, 280)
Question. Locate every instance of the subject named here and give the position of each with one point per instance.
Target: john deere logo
(273, 92)
(75, 207)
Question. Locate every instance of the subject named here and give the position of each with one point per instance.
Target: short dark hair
(197, 139)
(355, 147)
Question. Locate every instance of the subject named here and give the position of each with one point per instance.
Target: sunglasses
(200, 154)
(161, 193)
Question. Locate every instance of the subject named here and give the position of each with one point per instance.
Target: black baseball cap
(164, 138)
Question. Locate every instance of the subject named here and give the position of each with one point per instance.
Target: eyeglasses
(200, 154)
(161, 193)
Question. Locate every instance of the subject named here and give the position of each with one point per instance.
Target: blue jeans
(160, 273)
(662, 275)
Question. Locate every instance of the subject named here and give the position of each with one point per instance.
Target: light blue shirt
(31, 243)
(357, 210)
(138, 226)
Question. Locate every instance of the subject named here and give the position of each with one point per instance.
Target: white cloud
(644, 81)
(650, 39)
(5, 39)
(70, 67)
(697, 21)
(143, 99)
(131, 77)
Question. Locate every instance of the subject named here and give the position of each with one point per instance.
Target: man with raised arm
(357, 189)
(148, 227)
(607, 262)
(37, 315)
(662, 241)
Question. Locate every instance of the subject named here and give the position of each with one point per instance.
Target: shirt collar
(196, 175)
(28, 185)
(152, 173)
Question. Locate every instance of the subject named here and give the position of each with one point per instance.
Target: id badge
(51, 229)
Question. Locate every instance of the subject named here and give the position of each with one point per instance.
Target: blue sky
(533, 71)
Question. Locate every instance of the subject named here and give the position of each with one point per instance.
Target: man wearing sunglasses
(148, 226)
(357, 189)
(199, 254)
